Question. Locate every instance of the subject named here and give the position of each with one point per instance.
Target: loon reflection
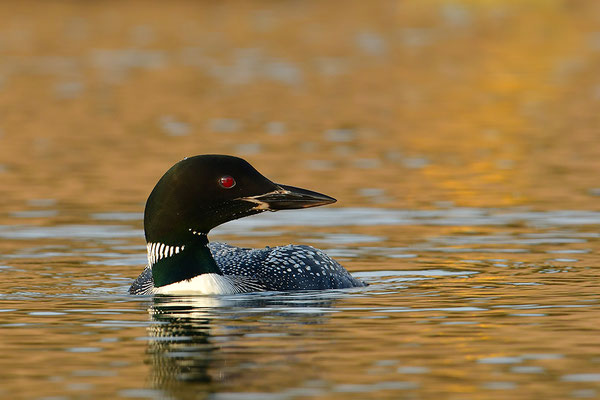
(205, 344)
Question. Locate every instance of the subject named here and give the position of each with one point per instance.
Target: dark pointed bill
(289, 198)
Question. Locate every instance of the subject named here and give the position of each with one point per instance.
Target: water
(460, 139)
(454, 313)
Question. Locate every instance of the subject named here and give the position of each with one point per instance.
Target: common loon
(202, 192)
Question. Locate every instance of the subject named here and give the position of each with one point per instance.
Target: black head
(202, 192)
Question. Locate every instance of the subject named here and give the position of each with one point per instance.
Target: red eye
(227, 182)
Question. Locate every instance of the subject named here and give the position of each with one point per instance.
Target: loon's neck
(175, 263)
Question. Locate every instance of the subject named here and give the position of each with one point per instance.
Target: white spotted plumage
(251, 270)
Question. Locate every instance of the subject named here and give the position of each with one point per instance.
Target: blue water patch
(34, 214)
(442, 217)
(78, 232)
(426, 272)
(585, 377)
(117, 216)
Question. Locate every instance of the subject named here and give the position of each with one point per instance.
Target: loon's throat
(157, 251)
(175, 263)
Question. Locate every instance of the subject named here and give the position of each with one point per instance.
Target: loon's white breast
(201, 284)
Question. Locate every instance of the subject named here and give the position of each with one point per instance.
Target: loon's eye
(227, 182)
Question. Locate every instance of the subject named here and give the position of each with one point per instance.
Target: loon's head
(202, 192)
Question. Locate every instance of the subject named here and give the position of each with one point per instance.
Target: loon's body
(201, 192)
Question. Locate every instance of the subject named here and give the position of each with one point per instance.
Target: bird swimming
(199, 193)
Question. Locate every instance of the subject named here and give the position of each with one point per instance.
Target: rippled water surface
(462, 303)
(460, 139)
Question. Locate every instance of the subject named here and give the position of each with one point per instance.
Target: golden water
(461, 139)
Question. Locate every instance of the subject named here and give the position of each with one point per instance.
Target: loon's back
(283, 268)
(291, 267)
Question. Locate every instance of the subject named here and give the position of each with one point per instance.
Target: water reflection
(203, 341)
(179, 348)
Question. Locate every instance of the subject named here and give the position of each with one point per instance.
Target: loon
(202, 192)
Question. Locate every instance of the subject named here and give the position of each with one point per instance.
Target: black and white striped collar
(157, 251)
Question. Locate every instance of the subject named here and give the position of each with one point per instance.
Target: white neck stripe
(158, 251)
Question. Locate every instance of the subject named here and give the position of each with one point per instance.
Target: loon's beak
(289, 198)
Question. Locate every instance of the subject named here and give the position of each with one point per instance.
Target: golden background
(479, 103)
